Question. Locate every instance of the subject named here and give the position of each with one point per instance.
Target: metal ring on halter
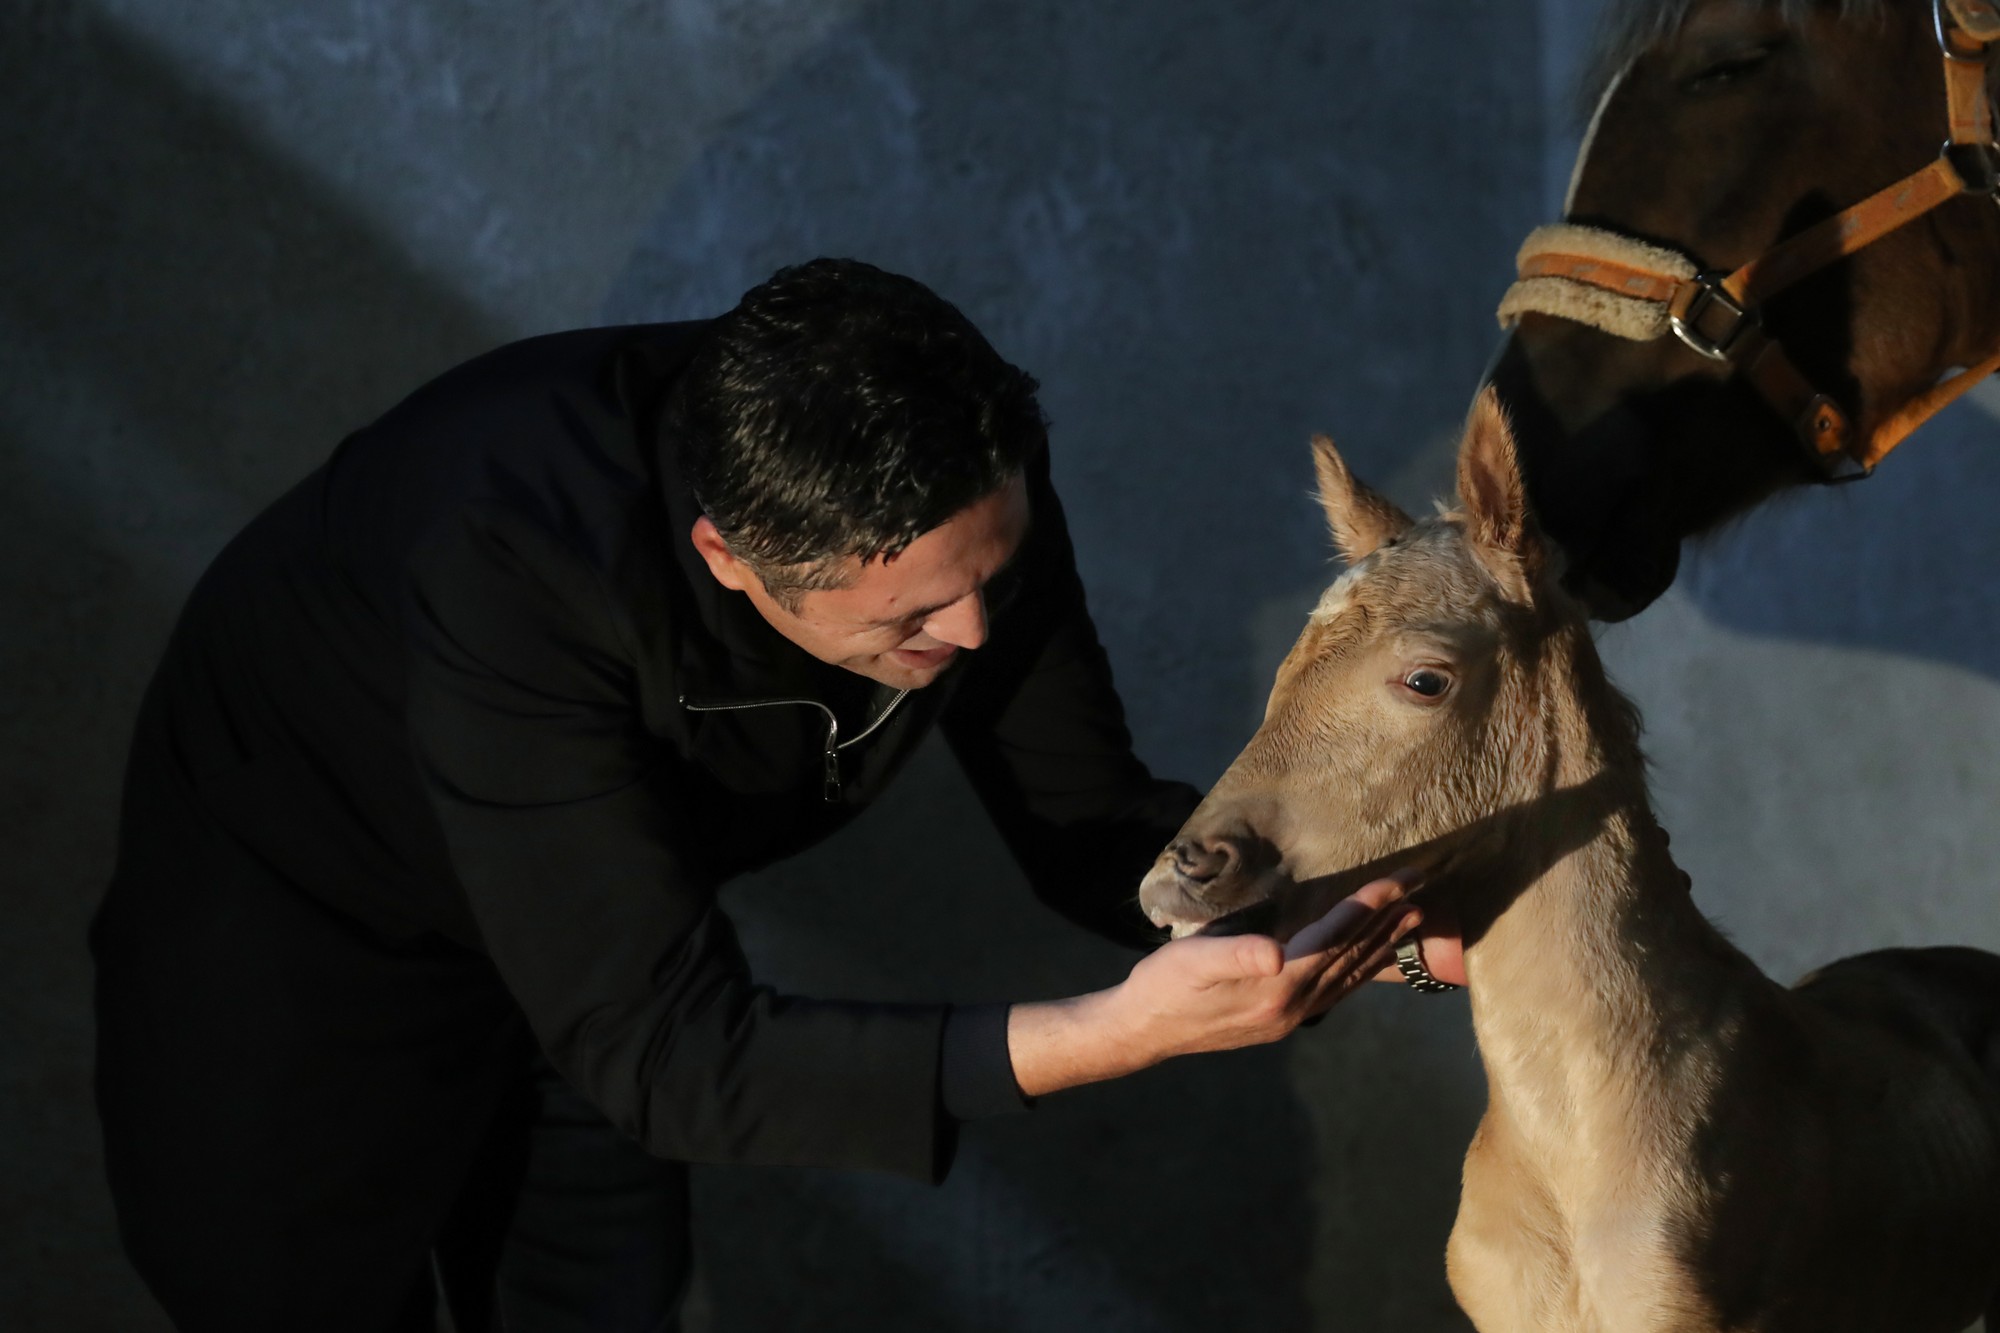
(1704, 293)
(1977, 165)
(1410, 962)
(1943, 24)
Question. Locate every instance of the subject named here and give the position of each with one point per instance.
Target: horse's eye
(1727, 71)
(1428, 682)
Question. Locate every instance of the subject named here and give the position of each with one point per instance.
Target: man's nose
(962, 624)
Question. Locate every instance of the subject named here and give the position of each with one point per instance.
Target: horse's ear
(1361, 520)
(1495, 498)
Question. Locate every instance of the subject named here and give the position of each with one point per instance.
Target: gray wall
(234, 231)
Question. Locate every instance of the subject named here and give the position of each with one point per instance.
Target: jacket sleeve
(563, 823)
(1039, 729)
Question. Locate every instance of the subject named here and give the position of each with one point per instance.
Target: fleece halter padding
(1621, 292)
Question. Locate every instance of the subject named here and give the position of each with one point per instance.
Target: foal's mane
(1625, 28)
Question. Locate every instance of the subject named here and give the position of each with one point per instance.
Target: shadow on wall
(1209, 233)
(1900, 563)
(189, 325)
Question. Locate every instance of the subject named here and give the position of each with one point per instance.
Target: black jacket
(471, 679)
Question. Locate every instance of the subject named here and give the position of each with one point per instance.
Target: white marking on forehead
(1589, 138)
(1334, 600)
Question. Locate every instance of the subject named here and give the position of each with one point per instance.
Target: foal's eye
(1427, 682)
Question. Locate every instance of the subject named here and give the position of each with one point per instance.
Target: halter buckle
(1692, 307)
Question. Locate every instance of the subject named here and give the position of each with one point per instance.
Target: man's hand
(1205, 993)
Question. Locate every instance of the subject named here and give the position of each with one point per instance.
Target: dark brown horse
(1724, 130)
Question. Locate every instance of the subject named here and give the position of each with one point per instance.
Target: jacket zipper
(830, 777)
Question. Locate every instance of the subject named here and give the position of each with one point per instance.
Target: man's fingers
(1347, 915)
(1359, 939)
(1334, 985)
(1388, 889)
(1328, 930)
(1360, 963)
(1353, 956)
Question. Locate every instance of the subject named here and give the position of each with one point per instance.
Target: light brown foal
(1672, 1140)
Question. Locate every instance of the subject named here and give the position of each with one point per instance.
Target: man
(411, 958)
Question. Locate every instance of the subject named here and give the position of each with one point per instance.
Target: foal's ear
(1495, 498)
(1361, 520)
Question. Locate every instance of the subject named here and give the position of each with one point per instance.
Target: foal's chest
(1568, 1250)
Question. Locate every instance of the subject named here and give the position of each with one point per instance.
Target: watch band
(1410, 962)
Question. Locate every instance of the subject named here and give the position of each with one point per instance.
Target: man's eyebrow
(926, 611)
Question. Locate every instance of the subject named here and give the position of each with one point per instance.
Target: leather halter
(1641, 291)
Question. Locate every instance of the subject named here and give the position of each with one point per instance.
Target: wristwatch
(1410, 962)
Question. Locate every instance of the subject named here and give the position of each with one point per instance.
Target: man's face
(901, 620)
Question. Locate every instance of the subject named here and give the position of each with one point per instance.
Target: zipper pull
(832, 787)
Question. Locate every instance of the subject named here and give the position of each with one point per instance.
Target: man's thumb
(1254, 956)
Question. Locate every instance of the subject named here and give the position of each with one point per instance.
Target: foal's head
(1442, 688)
(1724, 126)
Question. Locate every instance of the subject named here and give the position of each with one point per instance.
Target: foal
(1672, 1140)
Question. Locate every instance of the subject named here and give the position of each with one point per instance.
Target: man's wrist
(1057, 1044)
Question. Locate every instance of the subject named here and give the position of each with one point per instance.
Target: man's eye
(1427, 682)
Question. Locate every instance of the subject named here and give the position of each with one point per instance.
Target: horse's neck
(1970, 270)
(1978, 324)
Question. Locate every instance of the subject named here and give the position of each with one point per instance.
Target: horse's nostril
(1206, 859)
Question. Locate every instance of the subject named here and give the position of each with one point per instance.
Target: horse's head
(1724, 126)
(1422, 706)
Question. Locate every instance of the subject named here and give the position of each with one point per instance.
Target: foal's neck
(1597, 987)
(1577, 930)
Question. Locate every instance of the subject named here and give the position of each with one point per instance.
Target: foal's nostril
(1206, 859)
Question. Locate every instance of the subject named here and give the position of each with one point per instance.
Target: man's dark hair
(840, 411)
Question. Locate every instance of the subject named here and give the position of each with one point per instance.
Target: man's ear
(722, 562)
(1360, 519)
(1495, 498)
